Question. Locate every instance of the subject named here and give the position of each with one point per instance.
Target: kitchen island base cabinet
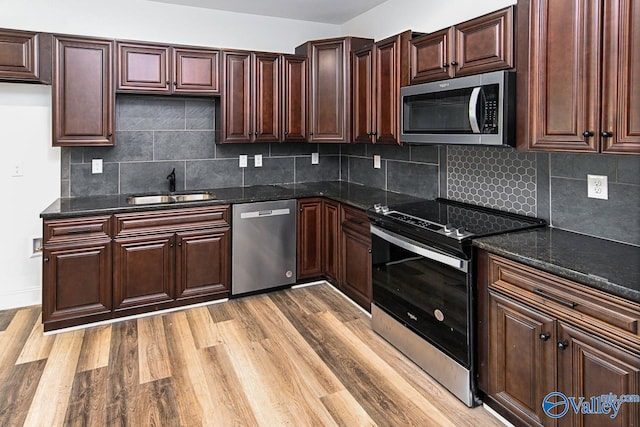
(539, 333)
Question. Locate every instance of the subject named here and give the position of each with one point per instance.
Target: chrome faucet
(172, 180)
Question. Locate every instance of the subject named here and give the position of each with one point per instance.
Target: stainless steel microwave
(477, 110)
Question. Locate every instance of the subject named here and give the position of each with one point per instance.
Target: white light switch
(315, 158)
(597, 187)
(243, 160)
(376, 161)
(96, 165)
(258, 160)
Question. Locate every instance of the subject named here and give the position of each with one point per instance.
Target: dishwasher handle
(265, 213)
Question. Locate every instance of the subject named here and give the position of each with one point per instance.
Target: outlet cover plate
(597, 187)
(243, 160)
(257, 160)
(315, 158)
(96, 165)
(376, 161)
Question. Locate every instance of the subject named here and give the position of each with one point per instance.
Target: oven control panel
(448, 230)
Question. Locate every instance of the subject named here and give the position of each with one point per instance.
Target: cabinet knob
(369, 250)
(249, 134)
(311, 133)
(563, 345)
(300, 209)
(286, 133)
(606, 134)
(587, 133)
(45, 259)
(545, 337)
(180, 244)
(454, 63)
(109, 135)
(170, 245)
(445, 65)
(255, 133)
(167, 82)
(175, 83)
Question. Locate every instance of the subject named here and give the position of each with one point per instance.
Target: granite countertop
(602, 264)
(358, 196)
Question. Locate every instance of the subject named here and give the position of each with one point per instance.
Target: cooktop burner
(454, 223)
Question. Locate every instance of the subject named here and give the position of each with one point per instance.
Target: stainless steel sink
(169, 198)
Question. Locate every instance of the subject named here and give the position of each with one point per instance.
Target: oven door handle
(420, 249)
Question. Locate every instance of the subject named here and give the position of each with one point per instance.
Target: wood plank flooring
(298, 357)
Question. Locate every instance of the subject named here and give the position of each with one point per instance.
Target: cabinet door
(82, 89)
(294, 99)
(143, 271)
(266, 97)
(236, 95)
(363, 94)
(76, 281)
(431, 57)
(202, 263)
(521, 358)
(309, 238)
(355, 253)
(328, 108)
(589, 366)
(484, 44)
(18, 55)
(196, 71)
(388, 76)
(144, 68)
(564, 75)
(331, 240)
(621, 77)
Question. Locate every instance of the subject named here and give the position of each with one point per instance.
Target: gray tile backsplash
(155, 134)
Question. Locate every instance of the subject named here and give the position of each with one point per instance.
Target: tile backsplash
(156, 134)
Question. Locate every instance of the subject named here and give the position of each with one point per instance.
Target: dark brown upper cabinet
(294, 98)
(251, 97)
(475, 46)
(153, 68)
(578, 74)
(378, 73)
(25, 56)
(82, 90)
(329, 94)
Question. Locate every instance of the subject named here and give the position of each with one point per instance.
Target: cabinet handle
(454, 63)
(545, 337)
(587, 133)
(554, 298)
(45, 259)
(563, 345)
(606, 134)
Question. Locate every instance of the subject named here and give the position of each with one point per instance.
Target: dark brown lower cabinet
(334, 241)
(76, 281)
(202, 262)
(539, 333)
(144, 271)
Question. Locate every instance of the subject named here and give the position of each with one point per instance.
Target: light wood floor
(301, 357)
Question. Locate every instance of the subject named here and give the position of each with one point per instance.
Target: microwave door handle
(473, 108)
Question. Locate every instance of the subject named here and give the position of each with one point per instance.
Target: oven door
(425, 289)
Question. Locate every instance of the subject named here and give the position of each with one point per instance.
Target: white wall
(25, 137)
(395, 16)
(25, 110)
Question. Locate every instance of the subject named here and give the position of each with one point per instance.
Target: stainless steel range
(423, 283)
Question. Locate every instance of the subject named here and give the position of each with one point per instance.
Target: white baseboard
(20, 298)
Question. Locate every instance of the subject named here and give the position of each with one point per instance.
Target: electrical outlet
(376, 161)
(96, 165)
(36, 246)
(315, 158)
(597, 187)
(257, 160)
(17, 169)
(243, 160)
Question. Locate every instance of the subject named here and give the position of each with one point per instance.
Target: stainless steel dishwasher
(263, 245)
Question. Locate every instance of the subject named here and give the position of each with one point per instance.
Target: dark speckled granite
(355, 195)
(603, 264)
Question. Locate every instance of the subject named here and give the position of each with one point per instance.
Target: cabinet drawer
(76, 229)
(170, 220)
(563, 298)
(356, 220)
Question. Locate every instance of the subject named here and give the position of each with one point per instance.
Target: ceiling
(326, 11)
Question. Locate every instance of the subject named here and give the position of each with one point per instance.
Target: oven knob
(448, 228)
(385, 209)
(377, 207)
(460, 232)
